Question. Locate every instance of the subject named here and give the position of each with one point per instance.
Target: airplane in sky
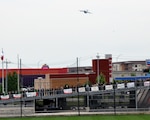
(85, 11)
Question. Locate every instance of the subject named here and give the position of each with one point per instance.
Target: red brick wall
(72, 82)
(103, 67)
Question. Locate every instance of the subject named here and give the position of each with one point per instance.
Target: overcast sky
(55, 32)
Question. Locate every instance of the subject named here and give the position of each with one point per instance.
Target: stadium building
(59, 77)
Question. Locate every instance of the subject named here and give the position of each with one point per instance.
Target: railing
(52, 92)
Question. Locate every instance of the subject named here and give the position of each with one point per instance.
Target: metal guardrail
(74, 93)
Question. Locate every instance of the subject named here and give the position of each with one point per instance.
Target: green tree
(133, 74)
(101, 79)
(12, 81)
(88, 83)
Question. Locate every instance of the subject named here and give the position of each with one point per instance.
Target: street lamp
(98, 67)
(39, 63)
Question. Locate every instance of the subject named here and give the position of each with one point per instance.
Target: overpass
(95, 97)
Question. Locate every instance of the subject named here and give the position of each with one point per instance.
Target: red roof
(36, 71)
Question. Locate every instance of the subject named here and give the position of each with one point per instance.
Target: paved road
(29, 111)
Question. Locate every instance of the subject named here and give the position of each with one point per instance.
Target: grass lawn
(90, 117)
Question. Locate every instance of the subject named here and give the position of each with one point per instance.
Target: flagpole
(6, 80)
(2, 76)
